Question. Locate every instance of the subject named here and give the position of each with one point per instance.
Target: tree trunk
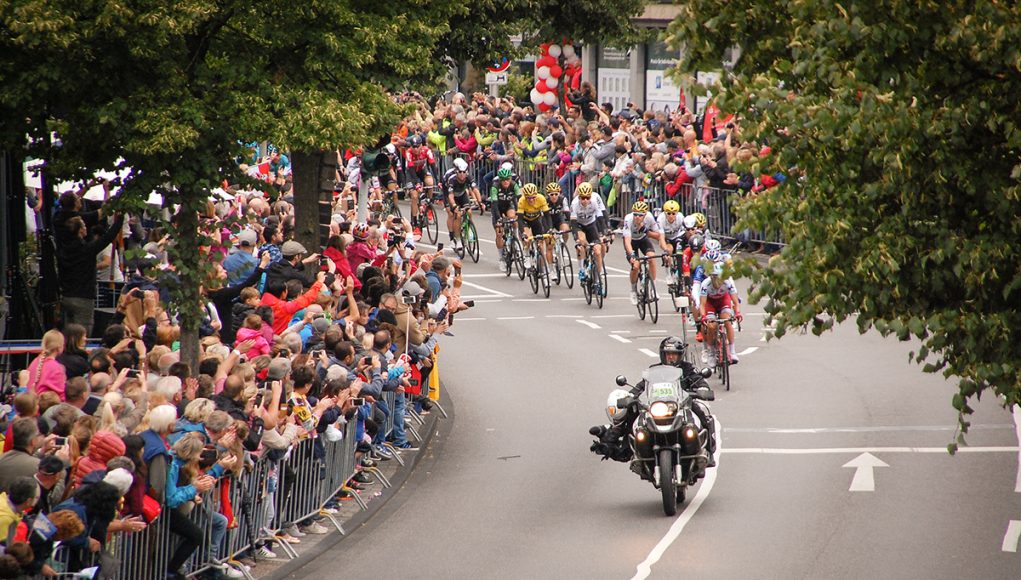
(189, 269)
(314, 177)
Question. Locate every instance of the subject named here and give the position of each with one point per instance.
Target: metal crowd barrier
(307, 480)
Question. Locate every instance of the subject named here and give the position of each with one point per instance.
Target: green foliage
(898, 131)
(518, 86)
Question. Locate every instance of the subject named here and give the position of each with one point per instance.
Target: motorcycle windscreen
(662, 382)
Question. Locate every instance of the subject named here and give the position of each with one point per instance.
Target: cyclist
(672, 225)
(503, 197)
(719, 303)
(534, 210)
(640, 228)
(460, 190)
(588, 218)
(419, 163)
(559, 214)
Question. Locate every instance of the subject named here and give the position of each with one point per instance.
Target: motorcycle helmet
(504, 173)
(695, 243)
(672, 344)
(584, 189)
(614, 412)
(713, 245)
(552, 187)
(689, 221)
(461, 165)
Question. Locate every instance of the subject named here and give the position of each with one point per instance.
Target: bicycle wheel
(432, 223)
(684, 326)
(600, 288)
(542, 270)
(395, 209)
(566, 266)
(653, 299)
(724, 357)
(471, 242)
(588, 285)
(533, 272)
(508, 256)
(519, 259)
(640, 289)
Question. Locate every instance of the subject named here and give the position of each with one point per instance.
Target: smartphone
(366, 360)
(59, 441)
(357, 402)
(134, 372)
(439, 247)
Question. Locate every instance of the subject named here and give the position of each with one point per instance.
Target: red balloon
(544, 107)
(544, 49)
(541, 87)
(569, 71)
(546, 61)
(555, 71)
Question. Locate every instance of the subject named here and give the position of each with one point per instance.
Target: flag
(709, 122)
(44, 527)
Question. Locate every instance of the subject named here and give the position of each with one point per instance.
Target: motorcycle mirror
(706, 373)
(706, 394)
(621, 380)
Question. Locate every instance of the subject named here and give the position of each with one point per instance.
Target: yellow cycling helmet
(584, 189)
(671, 206)
(640, 207)
(530, 190)
(552, 187)
(699, 220)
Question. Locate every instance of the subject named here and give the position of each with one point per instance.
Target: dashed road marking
(563, 316)
(514, 317)
(530, 300)
(612, 316)
(619, 338)
(587, 323)
(748, 350)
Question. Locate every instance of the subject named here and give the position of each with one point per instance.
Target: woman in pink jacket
(45, 373)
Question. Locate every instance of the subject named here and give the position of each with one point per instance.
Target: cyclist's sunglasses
(584, 196)
(670, 212)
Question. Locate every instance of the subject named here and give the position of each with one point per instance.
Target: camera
(408, 299)
(59, 441)
(357, 402)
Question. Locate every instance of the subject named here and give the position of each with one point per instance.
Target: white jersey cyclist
(587, 214)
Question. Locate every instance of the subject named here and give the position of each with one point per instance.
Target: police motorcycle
(666, 435)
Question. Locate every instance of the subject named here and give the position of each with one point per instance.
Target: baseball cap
(320, 325)
(292, 248)
(247, 238)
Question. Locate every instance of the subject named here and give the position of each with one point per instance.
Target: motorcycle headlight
(660, 410)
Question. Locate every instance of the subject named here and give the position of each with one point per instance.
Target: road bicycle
(538, 270)
(720, 352)
(513, 255)
(389, 205)
(428, 221)
(592, 279)
(562, 262)
(679, 290)
(648, 300)
(469, 235)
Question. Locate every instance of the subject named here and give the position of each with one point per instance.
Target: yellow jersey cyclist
(534, 211)
(588, 219)
(640, 229)
(503, 197)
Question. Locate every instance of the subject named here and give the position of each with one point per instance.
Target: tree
(898, 129)
(172, 87)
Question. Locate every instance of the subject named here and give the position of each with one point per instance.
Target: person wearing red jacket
(335, 250)
(283, 310)
(675, 181)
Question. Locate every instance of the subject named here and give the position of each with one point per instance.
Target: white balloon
(550, 98)
(574, 60)
(552, 82)
(568, 51)
(555, 51)
(542, 73)
(536, 96)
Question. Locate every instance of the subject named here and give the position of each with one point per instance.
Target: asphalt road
(510, 490)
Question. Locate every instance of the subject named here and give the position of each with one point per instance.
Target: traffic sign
(496, 78)
(499, 67)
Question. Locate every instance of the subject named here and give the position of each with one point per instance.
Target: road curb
(360, 519)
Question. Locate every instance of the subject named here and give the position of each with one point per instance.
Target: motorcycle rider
(612, 443)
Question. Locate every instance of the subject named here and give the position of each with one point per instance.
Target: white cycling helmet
(461, 165)
(614, 412)
(689, 221)
(390, 149)
(713, 245)
(507, 165)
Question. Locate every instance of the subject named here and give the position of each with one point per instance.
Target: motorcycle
(667, 438)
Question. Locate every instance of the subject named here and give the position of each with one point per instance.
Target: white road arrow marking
(1010, 539)
(864, 476)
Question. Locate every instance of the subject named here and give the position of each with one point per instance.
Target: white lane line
(613, 316)
(563, 316)
(530, 300)
(648, 352)
(748, 350)
(622, 331)
(481, 299)
(492, 275)
(492, 293)
(514, 317)
(587, 323)
(619, 338)
(817, 451)
(487, 241)
(571, 299)
(645, 568)
(1010, 539)
(657, 332)
(459, 319)
(874, 429)
(618, 270)
(1017, 429)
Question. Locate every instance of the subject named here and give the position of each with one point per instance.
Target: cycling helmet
(711, 244)
(671, 206)
(699, 220)
(712, 255)
(689, 221)
(614, 412)
(530, 190)
(361, 231)
(640, 207)
(460, 165)
(584, 189)
(672, 344)
(390, 149)
(504, 173)
(415, 141)
(695, 243)
(552, 187)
